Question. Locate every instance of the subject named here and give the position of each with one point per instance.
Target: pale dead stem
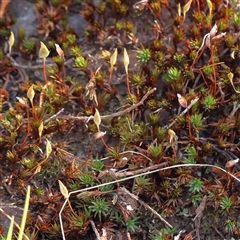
(117, 114)
(95, 230)
(115, 174)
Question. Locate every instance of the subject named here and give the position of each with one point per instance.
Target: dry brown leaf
(213, 31)
(231, 163)
(91, 89)
(59, 50)
(3, 7)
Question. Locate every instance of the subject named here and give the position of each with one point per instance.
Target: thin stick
(95, 230)
(54, 116)
(117, 114)
(105, 144)
(200, 50)
(6, 81)
(86, 119)
(64, 70)
(146, 206)
(136, 172)
(128, 85)
(214, 72)
(132, 152)
(70, 205)
(182, 113)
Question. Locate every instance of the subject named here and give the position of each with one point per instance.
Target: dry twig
(199, 215)
(117, 114)
(95, 230)
(182, 113)
(146, 206)
(139, 171)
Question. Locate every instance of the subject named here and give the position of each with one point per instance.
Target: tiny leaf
(104, 234)
(48, 148)
(125, 59)
(40, 129)
(186, 8)
(11, 42)
(179, 10)
(31, 94)
(38, 169)
(230, 77)
(209, 3)
(232, 54)
(43, 51)
(115, 199)
(63, 189)
(172, 135)
(97, 119)
(21, 100)
(113, 58)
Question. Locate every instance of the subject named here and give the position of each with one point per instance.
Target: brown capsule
(59, 50)
(140, 5)
(231, 163)
(99, 135)
(182, 100)
(213, 31)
